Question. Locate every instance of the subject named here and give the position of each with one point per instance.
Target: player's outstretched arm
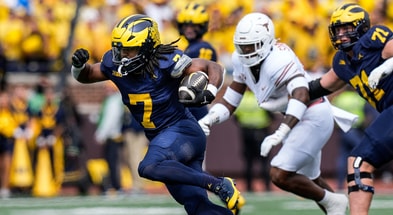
(224, 108)
(84, 72)
(325, 85)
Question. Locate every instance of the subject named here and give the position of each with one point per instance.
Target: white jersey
(301, 151)
(277, 68)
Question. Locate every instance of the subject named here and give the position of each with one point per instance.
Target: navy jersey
(201, 49)
(153, 102)
(367, 56)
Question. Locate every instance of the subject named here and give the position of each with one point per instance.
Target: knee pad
(357, 176)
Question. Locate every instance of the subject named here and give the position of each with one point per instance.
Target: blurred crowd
(38, 36)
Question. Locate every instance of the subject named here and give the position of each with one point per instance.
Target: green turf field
(269, 204)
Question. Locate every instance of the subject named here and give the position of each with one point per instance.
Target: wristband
(296, 108)
(283, 130)
(219, 113)
(76, 71)
(232, 97)
(212, 89)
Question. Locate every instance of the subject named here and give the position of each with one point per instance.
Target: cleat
(228, 192)
(239, 204)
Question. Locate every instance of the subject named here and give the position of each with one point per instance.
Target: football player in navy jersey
(192, 23)
(364, 61)
(148, 75)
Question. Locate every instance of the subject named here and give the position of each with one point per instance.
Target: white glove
(379, 73)
(274, 139)
(205, 124)
(374, 77)
(217, 114)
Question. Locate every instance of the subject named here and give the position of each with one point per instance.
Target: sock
(326, 199)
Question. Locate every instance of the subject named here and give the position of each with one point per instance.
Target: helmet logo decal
(266, 25)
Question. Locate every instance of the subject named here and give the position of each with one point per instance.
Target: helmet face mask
(138, 34)
(128, 64)
(348, 16)
(254, 38)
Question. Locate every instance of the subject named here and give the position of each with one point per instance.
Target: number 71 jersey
(367, 56)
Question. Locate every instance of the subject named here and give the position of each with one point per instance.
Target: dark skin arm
(92, 72)
(300, 94)
(214, 70)
(238, 87)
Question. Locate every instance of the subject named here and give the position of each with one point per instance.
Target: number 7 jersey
(153, 102)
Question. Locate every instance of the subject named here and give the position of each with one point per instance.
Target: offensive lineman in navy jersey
(364, 60)
(148, 74)
(192, 23)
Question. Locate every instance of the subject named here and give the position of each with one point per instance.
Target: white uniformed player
(274, 74)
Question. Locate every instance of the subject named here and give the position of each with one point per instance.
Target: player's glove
(206, 122)
(203, 98)
(80, 57)
(274, 139)
(380, 72)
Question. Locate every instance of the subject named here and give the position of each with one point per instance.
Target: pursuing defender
(272, 71)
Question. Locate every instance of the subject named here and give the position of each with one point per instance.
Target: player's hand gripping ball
(192, 89)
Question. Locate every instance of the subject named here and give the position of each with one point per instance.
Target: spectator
(109, 133)
(135, 146)
(47, 120)
(254, 124)
(7, 128)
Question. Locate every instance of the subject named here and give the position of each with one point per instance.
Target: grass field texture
(163, 204)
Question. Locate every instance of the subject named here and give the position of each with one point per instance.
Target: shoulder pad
(181, 64)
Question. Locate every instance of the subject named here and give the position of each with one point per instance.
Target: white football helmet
(255, 30)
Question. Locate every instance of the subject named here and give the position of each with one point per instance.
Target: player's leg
(169, 153)
(375, 150)
(359, 199)
(298, 162)
(295, 183)
(195, 199)
(155, 167)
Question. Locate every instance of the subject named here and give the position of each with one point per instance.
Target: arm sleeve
(316, 90)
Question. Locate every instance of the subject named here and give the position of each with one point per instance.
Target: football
(192, 84)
